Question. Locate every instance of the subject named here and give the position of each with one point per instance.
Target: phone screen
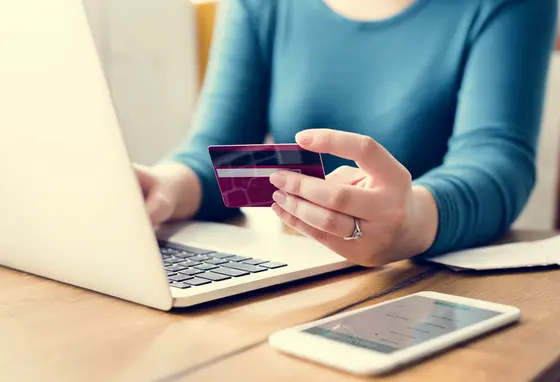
(401, 324)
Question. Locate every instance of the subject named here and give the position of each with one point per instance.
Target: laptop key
(238, 258)
(171, 274)
(206, 267)
(244, 267)
(175, 268)
(179, 278)
(213, 276)
(179, 285)
(184, 255)
(222, 255)
(216, 261)
(196, 251)
(200, 258)
(189, 263)
(230, 272)
(180, 247)
(255, 261)
(197, 281)
(272, 265)
(191, 272)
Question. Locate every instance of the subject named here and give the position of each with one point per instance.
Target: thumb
(368, 154)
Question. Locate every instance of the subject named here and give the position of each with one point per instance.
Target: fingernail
(279, 197)
(278, 179)
(304, 138)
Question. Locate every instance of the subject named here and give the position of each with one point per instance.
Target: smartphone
(383, 337)
(243, 171)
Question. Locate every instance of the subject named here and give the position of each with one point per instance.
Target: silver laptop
(70, 206)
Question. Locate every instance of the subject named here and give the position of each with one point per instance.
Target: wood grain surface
(50, 331)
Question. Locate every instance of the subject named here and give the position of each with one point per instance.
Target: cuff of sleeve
(449, 225)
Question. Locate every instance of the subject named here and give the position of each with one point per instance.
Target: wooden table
(50, 331)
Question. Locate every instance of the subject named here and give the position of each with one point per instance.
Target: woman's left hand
(378, 194)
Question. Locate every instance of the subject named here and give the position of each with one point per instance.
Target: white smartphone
(383, 337)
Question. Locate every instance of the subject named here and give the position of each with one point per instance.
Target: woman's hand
(397, 220)
(171, 191)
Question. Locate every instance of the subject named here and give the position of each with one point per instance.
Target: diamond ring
(357, 231)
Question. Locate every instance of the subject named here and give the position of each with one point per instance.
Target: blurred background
(154, 53)
(149, 52)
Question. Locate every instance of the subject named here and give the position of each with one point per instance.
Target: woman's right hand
(171, 192)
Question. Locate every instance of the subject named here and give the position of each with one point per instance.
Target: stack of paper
(506, 256)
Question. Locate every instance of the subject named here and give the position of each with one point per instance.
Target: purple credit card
(243, 171)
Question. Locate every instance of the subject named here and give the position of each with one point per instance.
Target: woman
(438, 103)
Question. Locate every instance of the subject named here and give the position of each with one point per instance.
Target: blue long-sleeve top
(454, 89)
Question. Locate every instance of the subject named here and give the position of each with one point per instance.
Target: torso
(394, 79)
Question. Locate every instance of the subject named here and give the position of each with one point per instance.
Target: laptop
(71, 209)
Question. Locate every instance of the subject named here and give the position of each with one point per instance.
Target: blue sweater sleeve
(488, 172)
(232, 105)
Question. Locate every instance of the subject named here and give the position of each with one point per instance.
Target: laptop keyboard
(190, 267)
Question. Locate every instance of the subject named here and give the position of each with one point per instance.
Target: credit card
(243, 171)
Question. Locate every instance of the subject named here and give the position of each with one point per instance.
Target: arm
(231, 109)
(489, 171)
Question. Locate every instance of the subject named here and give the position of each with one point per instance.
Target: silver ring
(357, 231)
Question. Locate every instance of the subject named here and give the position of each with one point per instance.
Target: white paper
(506, 256)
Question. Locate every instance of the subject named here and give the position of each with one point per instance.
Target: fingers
(334, 243)
(346, 199)
(159, 208)
(304, 228)
(158, 205)
(332, 222)
(145, 180)
(372, 157)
